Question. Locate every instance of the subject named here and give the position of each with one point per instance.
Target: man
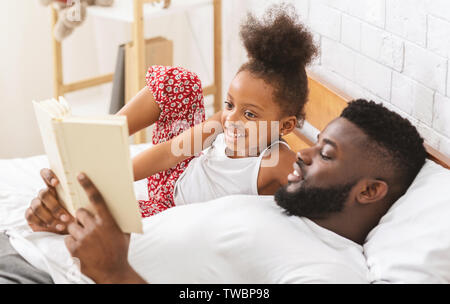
(311, 231)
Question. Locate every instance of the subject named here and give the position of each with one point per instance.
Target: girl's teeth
(231, 134)
(295, 173)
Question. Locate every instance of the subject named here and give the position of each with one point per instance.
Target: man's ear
(371, 191)
(287, 125)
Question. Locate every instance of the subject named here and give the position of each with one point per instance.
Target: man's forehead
(344, 133)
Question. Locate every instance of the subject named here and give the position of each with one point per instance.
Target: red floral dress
(180, 97)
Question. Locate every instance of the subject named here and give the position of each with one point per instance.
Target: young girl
(270, 88)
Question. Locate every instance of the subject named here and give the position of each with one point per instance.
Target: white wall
(26, 71)
(391, 51)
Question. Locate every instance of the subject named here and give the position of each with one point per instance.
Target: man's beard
(313, 202)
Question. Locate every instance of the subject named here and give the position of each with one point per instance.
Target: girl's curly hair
(279, 48)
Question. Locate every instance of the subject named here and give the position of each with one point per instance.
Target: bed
(411, 244)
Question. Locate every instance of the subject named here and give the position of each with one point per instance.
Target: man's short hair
(394, 142)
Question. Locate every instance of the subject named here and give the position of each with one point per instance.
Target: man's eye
(324, 157)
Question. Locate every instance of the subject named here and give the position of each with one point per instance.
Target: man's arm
(128, 277)
(97, 241)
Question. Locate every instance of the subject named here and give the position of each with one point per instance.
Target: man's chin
(312, 202)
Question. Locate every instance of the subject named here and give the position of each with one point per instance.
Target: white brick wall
(439, 36)
(375, 77)
(441, 121)
(448, 79)
(351, 32)
(338, 58)
(426, 67)
(408, 19)
(391, 51)
(382, 46)
(439, 8)
(325, 20)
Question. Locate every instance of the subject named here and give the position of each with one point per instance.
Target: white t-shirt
(233, 239)
(213, 174)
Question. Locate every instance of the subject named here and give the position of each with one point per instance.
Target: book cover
(97, 146)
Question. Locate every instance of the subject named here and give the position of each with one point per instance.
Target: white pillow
(411, 244)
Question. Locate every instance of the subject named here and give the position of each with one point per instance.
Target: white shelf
(122, 10)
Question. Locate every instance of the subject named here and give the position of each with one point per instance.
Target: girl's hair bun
(278, 40)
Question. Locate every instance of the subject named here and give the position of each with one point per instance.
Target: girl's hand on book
(45, 212)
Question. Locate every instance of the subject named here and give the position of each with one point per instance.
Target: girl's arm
(141, 111)
(273, 176)
(168, 154)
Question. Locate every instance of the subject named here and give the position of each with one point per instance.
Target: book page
(45, 117)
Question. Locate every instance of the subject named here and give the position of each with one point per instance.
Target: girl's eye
(250, 115)
(228, 105)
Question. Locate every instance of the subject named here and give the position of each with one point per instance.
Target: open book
(97, 146)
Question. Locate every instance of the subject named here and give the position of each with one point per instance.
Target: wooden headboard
(326, 103)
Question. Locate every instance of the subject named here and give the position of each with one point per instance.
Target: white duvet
(182, 255)
(424, 216)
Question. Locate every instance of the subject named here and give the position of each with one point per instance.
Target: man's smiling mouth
(296, 175)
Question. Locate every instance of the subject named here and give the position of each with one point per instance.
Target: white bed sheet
(20, 182)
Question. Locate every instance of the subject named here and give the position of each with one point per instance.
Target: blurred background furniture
(135, 12)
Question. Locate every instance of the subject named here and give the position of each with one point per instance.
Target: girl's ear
(287, 125)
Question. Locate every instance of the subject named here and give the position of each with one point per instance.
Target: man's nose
(305, 156)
